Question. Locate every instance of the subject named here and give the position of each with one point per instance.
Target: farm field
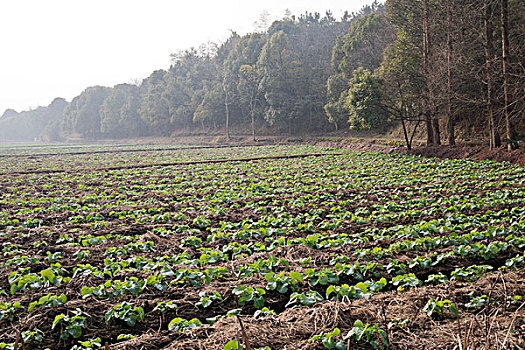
(88, 158)
(335, 249)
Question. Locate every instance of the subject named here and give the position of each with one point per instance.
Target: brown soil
(485, 328)
(443, 151)
(472, 152)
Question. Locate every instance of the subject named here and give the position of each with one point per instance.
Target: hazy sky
(57, 48)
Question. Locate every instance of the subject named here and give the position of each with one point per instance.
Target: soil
(443, 151)
(471, 152)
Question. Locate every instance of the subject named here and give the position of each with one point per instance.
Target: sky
(57, 48)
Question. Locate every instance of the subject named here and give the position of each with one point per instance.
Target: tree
(249, 90)
(415, 23)
(402, 86)
(489, 59)
(8, 113)
(119, 113)
(505, 70)
(362, 46)
(364, 101)
(82, 115)
(337, 90)
(281, 81)
(154, 108)
(241, 65)
(229, 76)
(450, 116)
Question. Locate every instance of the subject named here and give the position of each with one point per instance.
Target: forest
(442, 68)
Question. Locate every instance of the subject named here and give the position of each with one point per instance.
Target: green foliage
(437, 278)
(32, 338)
(91, 344)
(82, 115)
(282, 283)
(39, 123)
(470, 273)
(406, 281)
(281, 81)
(48, 300)
(206, 299)
(191, 241)
(70, 325)
(125, 336)
(329, 340)
(126, 312)
(179, 324)
(8, 310)
(364, 101)
(154, 108)
(353, 53)
(477, 302)
(308, 298)
(295, 240)
(231, 345)
(360, 290)
(165, 306)
(372, 335)
(247, 294)
(264, 312)
(436, 307)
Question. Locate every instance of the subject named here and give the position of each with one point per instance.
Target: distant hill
(31, 125)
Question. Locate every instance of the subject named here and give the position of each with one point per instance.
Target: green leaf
(258, 302)
(62, 298)
(296, 276)
(231, 345)
(363, 287)
(330, 290)
(76, 332)
(340, 345)
(58, 319)
(233, 312)
(270, 276)
(48, 275)
(32, 306)
(283, 288)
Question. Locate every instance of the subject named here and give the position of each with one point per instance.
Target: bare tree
(489, 59)
(504, 59)
(450, 117)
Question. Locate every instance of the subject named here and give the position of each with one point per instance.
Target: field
(278, 247)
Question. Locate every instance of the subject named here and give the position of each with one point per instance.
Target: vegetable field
(275, 247)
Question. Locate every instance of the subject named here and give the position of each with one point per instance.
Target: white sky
(57, 48)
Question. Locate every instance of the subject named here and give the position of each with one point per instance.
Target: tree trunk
(505, 58)
(226, 104)
(450, 117)
(405, 134)
(436, 135)
(489, 57)
(252, 107)
(426, 71)
(428, 121)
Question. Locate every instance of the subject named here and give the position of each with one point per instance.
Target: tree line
(440, 65)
